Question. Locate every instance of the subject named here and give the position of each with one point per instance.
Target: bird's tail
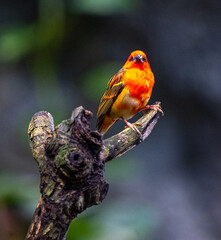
(105, 124)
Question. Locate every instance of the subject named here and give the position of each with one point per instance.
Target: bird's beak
(139, 58)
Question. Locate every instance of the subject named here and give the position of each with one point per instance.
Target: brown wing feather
(114, 87)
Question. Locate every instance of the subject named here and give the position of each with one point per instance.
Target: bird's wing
(114, 88)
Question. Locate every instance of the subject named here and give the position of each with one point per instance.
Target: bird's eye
(144, 59)
(132, 58)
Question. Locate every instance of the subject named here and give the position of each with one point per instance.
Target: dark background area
(56, 55)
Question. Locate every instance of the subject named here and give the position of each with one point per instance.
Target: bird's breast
(125, 105)
(135, 94)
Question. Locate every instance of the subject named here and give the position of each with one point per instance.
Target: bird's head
(137, 59)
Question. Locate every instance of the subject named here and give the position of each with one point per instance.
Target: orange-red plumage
(127, 93)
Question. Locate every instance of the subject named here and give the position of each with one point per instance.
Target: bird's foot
(153, 107)
(132, 126)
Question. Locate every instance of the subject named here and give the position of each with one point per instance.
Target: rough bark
(71, 160)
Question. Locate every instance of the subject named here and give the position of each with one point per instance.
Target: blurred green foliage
(43, 36)
(103, 7)
(122, 220)
(84, 227)
(95, 80)
(12, 192)
(15, 43)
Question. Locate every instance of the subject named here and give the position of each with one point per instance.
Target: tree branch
(71, 160)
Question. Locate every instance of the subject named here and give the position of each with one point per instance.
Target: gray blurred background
(56, 55)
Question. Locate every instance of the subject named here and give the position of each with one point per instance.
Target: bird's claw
(132, 126)
(153, 107)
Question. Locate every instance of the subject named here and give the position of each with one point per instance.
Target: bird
(128, 93)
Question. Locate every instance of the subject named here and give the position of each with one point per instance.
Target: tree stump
(71, 160)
